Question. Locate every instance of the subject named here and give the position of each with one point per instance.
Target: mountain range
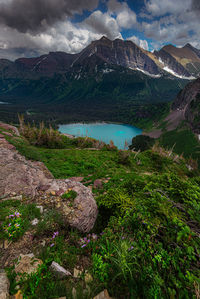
(182, 62)
(108, 80)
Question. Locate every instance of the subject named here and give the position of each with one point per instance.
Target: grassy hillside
(183, 142)
(146, 238)
(121, 95)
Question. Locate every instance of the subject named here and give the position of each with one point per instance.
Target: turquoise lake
(119, 134)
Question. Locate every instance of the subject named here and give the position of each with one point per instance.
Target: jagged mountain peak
(188, 45)
(103, 38)
(178, 62)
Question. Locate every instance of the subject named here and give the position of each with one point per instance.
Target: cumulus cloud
(64, 36)
(125, 17)
(172, 21)
(160, 8)
(37, 15)
(141, 43)
(103, 24)
(34, 27)
(196, 6)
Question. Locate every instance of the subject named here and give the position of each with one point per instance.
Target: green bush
(152, 243)
(142, 143)
(124, 157)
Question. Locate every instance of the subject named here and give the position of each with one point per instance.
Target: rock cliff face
(20, 176)
(186, 95)
(187, 56)
(188, 101)
(118, 52)
(168, 61)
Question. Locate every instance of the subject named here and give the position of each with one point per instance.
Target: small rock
(13, 198)
(4, 285)
(103, 295)
(60, 192)
(44, 187)
(58, 205)
(88, 277)
(77, 273)
(59, 271)
(67, 210)
(43, 243)
(98, 184)
(27, 264)
(6, 244)
(34, 221)
(41, 209)
(77, 179)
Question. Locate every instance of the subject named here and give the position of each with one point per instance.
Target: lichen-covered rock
(32, 179)
(20, 175)
(10, 128)
(103, 295)
(4, 285)
(82, 212)
(27, 264)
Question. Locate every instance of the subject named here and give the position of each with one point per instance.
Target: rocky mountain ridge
(178, 62)
(188, 101)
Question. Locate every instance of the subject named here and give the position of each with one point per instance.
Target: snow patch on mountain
(106, 71)
(167, 69)
(145, 72)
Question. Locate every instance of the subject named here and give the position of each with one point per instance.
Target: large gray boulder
(32, 179)
(4, 285)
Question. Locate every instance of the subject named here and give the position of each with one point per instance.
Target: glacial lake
(118, 133)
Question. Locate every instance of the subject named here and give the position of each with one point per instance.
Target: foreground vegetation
(146, 238)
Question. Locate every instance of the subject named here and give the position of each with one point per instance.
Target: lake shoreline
(119, 134)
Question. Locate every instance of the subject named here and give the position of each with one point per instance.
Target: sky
(31, 28)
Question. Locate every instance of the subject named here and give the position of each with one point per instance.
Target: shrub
(142, 143)
(44, 137)
(124, 157)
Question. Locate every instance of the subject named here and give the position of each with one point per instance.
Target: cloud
(37, 15)
(141, 43)
(172, 21)
(196, 6)
(102, 23)
(160, 8)
(63, 36)
(125, 17)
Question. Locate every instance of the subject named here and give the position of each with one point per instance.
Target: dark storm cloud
(37, 15)
(14, 53)
(196, 6)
